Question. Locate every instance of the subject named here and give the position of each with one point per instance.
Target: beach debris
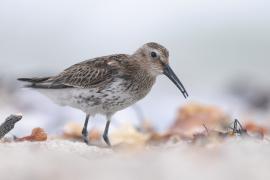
(195, 123)
(216, 128)
(237, 128)
(128, 134)
(9, 124)
(73, 131)
(210, 135)
(38, 134)
(192, 116)
(256, 130)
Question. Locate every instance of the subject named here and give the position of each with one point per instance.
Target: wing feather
(87, 74)
(91, 73)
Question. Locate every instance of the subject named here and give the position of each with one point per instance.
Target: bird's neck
(142, 79)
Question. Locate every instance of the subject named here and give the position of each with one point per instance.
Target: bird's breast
(122, 93)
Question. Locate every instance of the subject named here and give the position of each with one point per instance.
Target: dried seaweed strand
(238, 128)
(9, 124)
(206, 129)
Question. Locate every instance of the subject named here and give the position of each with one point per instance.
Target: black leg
(84, 131)
(105, 133)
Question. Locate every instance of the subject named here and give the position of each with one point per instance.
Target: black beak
(171, 75)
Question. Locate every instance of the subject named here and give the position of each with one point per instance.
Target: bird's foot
(85, 136)
(106, 139)
(85, 139)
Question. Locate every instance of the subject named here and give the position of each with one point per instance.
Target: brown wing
(89, 73)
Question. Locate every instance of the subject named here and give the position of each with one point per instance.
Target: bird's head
(155, 59)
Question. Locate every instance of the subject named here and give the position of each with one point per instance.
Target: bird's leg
(84, 131)
(105, 133)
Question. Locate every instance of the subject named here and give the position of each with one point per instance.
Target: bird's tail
(43, 83)
(34, 82)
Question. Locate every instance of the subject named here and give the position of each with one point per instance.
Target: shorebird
(105, 85)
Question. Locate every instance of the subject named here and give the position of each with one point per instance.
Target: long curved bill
(171, 75)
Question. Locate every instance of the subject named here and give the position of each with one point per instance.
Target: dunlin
(107, 84)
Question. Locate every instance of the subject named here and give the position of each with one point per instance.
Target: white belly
(92, 101)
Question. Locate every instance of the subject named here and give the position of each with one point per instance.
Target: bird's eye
(153, 54)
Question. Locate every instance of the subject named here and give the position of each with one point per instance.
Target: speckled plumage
(107, 84)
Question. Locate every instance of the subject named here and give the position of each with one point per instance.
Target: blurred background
(219, 49)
